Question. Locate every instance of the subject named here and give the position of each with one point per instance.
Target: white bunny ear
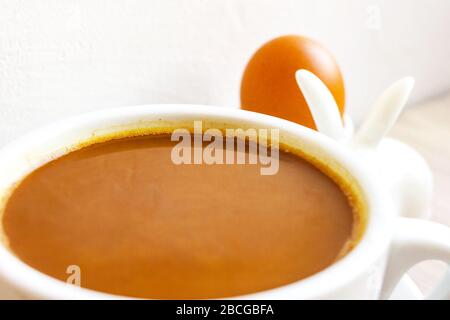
(384, 113)
(321, 103)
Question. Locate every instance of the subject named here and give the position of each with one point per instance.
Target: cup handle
(415, 241)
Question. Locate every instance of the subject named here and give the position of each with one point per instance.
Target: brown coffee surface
(138, 225)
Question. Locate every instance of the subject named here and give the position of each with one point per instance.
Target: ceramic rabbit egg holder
(401, 169)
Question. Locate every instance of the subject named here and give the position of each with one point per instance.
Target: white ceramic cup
(388, 248)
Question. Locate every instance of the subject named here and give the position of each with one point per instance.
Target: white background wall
(59, 58)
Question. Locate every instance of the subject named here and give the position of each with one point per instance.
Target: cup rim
(368, 251)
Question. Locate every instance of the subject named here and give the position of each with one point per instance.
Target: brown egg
(269, 86)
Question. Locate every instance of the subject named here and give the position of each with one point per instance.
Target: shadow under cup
(252, 244)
